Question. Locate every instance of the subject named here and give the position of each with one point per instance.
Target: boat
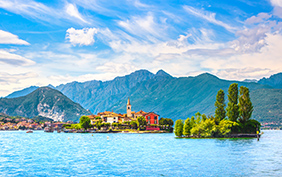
(29, 131)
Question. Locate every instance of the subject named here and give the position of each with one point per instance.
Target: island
(235, 121)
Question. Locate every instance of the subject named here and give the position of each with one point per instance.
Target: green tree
(198, 117)
(204, 117)
(225, 127)
(220, 112)
(141, 121)
(192, 121)
(133, 124)
(170, 122)
(84, 121)
(187, 127)
(232, 106)
(178, 128)
(245, 105)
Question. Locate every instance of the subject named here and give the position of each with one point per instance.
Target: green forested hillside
(267, 105)
(169, 96)
(179, 97)
(44, 101)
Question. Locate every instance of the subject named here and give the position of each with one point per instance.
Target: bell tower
(128, 108)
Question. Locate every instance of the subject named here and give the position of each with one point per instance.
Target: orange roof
(141, 112)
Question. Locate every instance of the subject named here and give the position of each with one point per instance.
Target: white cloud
(277, 7)
(84, 36)
(145, 27)
(9, 38)
(209, 16)
(36, 10)
(247, 73)
(276, 2)
(14, 59)
(258, 19)
(6, 78)
(73, 12)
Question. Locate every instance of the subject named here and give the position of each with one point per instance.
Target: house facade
(152, 118)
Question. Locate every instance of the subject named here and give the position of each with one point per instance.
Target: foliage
(225, 127)
(245, 105)
(141, 121)
(178, 128)
(84, 121)
(133, 124)
(166, 121)
(220, 112)
(232, 106)
(187, 127)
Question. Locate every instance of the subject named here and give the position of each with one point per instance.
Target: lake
(63, 154)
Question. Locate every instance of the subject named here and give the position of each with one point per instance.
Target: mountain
(22, 92)
(274, 81)
(169, 96)
(180, 97)
(267, 105)
(45, 102)
(99, 96)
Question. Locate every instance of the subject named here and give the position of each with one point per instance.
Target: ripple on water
(52, 154)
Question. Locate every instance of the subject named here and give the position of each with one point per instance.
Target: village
(109, 121)
(103, 122)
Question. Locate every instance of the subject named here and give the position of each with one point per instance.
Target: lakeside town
(103, 122)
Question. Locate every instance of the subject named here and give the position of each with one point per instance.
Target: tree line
(236, 118)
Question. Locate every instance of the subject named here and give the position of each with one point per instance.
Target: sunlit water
(62, 154)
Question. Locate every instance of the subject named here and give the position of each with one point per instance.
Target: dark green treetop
(220, 112)
(232, 106)
(84, 122)
(178, 131)
(245, 105)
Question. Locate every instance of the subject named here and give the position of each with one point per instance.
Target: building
(152, 118)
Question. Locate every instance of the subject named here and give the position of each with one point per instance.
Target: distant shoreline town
(104, 122)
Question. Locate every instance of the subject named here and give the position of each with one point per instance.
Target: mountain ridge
(44, 101)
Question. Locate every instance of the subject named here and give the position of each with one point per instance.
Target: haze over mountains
(169, 96)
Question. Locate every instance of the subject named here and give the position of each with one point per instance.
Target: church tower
(128, 108)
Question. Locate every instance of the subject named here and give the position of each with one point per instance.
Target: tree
(220, 112)
(178, 128)
(133, 124)
(141, 121)
(198, 117)
(170, 122)
(187, 127)
(84, 122)
(245, 105)
(232, 106)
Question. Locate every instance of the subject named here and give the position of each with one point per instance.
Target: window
(156, 117)
(114, 121)
(114, 118)
(155, 122)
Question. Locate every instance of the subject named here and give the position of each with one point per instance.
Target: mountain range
(169, 96)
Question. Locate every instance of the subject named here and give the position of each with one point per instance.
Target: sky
(55, 42)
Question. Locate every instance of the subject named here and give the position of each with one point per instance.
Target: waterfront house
(152, 118)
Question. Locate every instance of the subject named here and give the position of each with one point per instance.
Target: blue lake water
(62, 154)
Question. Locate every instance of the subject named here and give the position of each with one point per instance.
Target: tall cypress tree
(178, 129)
(220, 112)
(187, 127)
(232, 106)
(245, 104)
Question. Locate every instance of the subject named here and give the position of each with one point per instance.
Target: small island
(233, 122)
(111, 122)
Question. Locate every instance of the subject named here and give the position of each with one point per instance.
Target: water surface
(62, 154)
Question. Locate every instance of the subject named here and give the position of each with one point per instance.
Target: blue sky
(54, 42)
